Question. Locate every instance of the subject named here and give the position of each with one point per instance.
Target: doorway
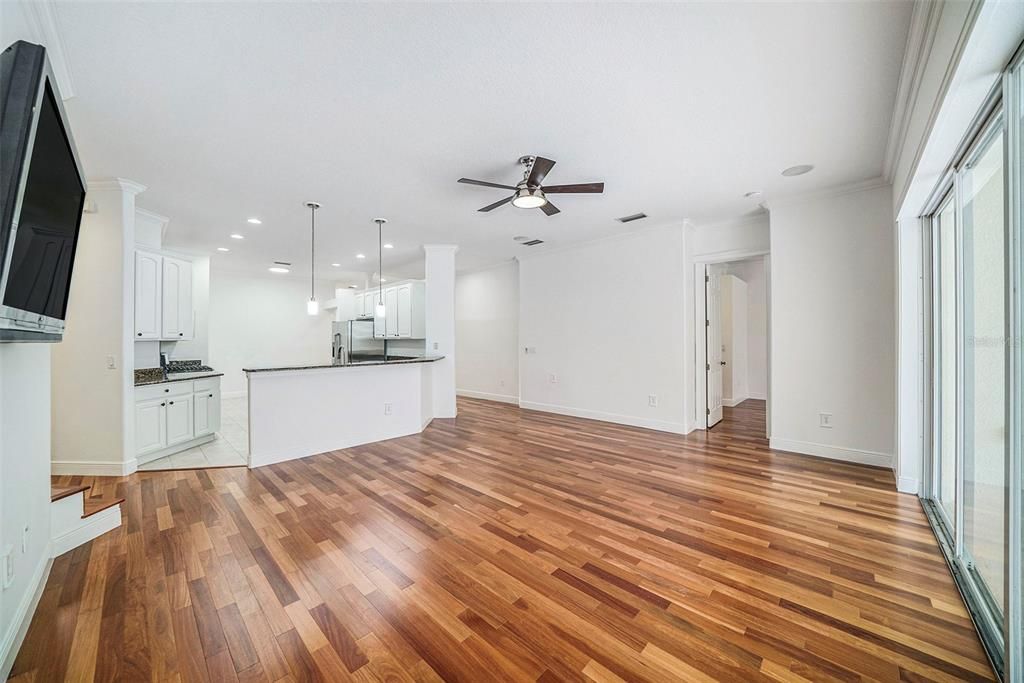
(732, 359)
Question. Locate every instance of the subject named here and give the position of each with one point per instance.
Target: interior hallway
(528, 545)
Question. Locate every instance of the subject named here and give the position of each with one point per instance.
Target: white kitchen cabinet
(177, 322)
(391, 312)
(150, 426)
(403, 311)
(180, 420)
(163, 297)
(174, 416)
(148, 278)
(357, 304)
(206, 407)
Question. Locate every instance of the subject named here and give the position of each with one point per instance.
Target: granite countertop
(146, 376)
(357, 364)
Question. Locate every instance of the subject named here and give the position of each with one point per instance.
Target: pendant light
(312, 307)
(379, 311)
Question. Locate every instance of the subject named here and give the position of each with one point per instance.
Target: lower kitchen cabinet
(175, 416)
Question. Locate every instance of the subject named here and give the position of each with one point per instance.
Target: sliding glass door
(969, 258)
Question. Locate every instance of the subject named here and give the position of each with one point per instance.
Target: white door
(150, 427)
(404, 311)
(391, 304)
(177, 299)
(179, 419)
(713, 340)
(147, 295)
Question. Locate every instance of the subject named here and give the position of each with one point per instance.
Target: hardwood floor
(509, 545)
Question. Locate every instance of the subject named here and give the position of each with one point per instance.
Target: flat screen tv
(42, 193)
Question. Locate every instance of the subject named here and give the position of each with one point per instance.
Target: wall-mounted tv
(42, 193)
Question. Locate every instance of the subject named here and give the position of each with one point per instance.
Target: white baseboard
(733, 402)
(758, 397)
(91, 527)
(94, 468)
(908, 485)
(503, 398)
(821, 450)
(659, 425)
(234, 394)
(22, 616)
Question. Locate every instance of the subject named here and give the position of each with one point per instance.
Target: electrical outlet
(652, 401)
(553, 377)
(501, 383)
(24, 540)
(825, 420)
(436, 346)
(530, 350)
(387, 408)
(111, 363)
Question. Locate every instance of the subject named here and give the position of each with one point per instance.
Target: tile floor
(231, 446)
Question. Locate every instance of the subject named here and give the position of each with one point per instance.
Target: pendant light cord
(380, 263)
(312, 253)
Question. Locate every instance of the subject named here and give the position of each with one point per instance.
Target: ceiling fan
(529, 193)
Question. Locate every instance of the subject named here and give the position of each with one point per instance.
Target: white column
(93, 410)
(440, 272)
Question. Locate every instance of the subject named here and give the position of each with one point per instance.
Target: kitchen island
(298, 411)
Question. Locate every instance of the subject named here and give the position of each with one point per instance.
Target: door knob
(722, 362)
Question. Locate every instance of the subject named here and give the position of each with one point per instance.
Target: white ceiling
(231, 110)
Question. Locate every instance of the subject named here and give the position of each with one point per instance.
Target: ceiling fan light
(529, 199)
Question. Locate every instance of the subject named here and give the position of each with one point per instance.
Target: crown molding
(924, 23)
(41, 17)
(122, 184)
(829, 192)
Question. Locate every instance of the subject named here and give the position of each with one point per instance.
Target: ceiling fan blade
(541, 167)
(550, 209)
(581, 187)
(484, 183)
(495, 205)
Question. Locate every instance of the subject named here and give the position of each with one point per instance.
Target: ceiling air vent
(282, 263)
(532, 243)
(630, 219)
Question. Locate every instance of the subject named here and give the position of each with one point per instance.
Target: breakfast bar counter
(298, 411)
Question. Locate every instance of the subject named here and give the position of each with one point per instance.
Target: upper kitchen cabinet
(163, 297)
(148, 277)
(177, 322)
(405, 311)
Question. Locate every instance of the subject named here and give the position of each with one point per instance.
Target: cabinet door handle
(211, 395)
(139, 334)
(166, 390)
(162, 405)
(181, 334)
(172, 403)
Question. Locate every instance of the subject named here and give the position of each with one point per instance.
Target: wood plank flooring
(509, 545)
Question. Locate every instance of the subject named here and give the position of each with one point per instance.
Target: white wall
(93, 404)
(734, 340)
(606, 318)
(487, 333)
(753, 273)
(24, 484)
(258, 321)
(833, 324)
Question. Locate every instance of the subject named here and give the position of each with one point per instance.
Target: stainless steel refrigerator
(353, 340)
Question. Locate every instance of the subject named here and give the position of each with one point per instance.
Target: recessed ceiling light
(353, 286)
(277, 269)
(520, 238)
(223, 249)
(335, 265)
(360, 255)
(236, 236)
(255, 221)
(383, 279)
(389, 246)
(797, 170)
(753, 195)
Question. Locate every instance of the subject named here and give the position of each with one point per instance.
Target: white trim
(43, 18)
(733, 402)
(426, 423)
(176, 448)
(94, 468)
(117, 184)
(924, 23)
(908, 485)
(658, 425)
(91, 527)
(241, 393)
(830, 192)
(758, 397)
(822, 450)
(22, 617)
(502, 398)
(728, 256)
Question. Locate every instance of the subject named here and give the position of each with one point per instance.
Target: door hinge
(709, 367)
(707, 278)
(707, 323)
(708, 410)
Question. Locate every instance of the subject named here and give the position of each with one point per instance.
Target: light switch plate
(7, 566)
